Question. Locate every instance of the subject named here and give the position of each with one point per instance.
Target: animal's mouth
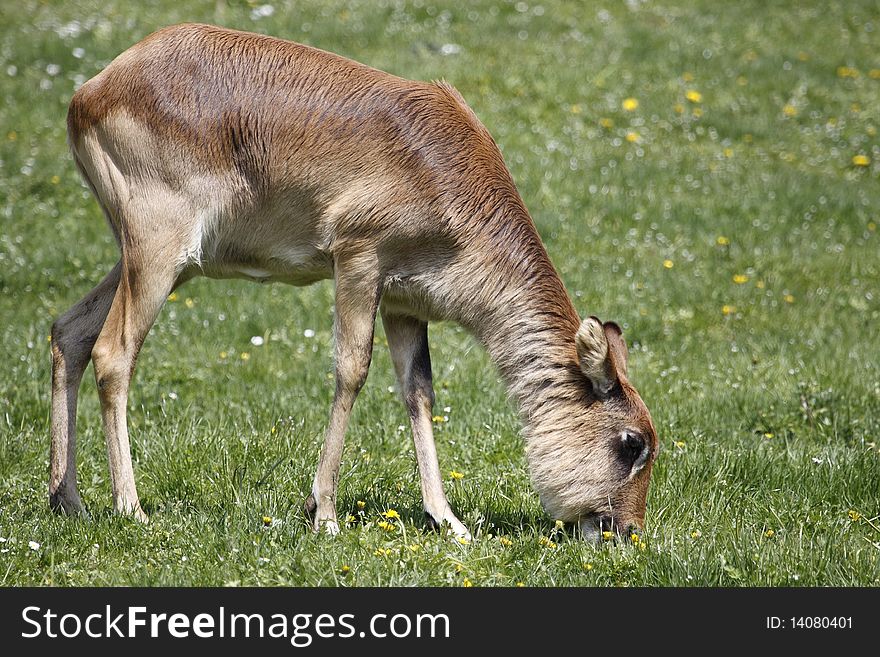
(598, 527)
(594, 526)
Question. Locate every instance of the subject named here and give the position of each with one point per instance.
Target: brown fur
(223, 153)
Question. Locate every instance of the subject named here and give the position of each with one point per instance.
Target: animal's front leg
(408, 343)
(357, 298)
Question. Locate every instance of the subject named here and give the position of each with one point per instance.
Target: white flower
(450, 49)
(78, 53)
(172, 395)
(261, 12)
(309, 333)
(33, 545)
(817, 460)
(257, 340)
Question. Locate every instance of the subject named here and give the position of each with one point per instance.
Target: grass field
(704, 173)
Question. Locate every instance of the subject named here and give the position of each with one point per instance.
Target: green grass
(765, 393)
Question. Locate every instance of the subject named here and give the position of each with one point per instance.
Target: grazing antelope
(227, 154)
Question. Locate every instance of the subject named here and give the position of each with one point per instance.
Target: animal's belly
(294, 267)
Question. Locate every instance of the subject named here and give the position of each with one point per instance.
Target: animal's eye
(632, 448)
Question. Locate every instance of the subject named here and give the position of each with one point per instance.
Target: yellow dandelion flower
(630, 104)
(855, 108)
(871, 226)
(267, 520)
(456, 475)
(607, 536)
(438, 419)
(768, 435)
(694, 96)
(874, 74)
(361, 504)
(575, 109)
(588, 567)
(223, 355)
(861, 160)
(387, 526)
(345, 569)
(854, 515)
(668, 264)
(680, 444)
(632, 136)
(173, 297)
(520, 584)
(760, 285)
(769, 533)
(467, 583)
(722, 241)
(697, 112)
(871, 130)
(415, 547)
(382, 552)
(559, 524)
(635, 538)
(739, 279)
(847, 72)
(789, 110)
(12, 135)
(462, 540)
(803, 56)
(606, 122)
(728, 152)
(727, 309)
(696, 534)
(245, 355)
(506, 542)
(350, 518)
(392, 514)
(55, 180)
(458, 567)
(789, 298)
(678, 108)
(189, 303)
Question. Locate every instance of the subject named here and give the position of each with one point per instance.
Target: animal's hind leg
(149, 272)
(408, 343)
(73, 336)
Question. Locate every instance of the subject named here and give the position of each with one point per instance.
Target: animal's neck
(530, 332)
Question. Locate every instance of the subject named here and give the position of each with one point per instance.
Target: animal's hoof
(458, 530)
(310, 506)
(328, 526)
(68, 504)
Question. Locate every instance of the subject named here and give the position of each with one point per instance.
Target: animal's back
(277, 111)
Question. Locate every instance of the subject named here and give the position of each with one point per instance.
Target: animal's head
(592, 448)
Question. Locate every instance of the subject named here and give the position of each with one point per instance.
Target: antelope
(221, 153)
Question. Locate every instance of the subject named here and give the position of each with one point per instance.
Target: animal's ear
(616, 347)
(592, 350)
